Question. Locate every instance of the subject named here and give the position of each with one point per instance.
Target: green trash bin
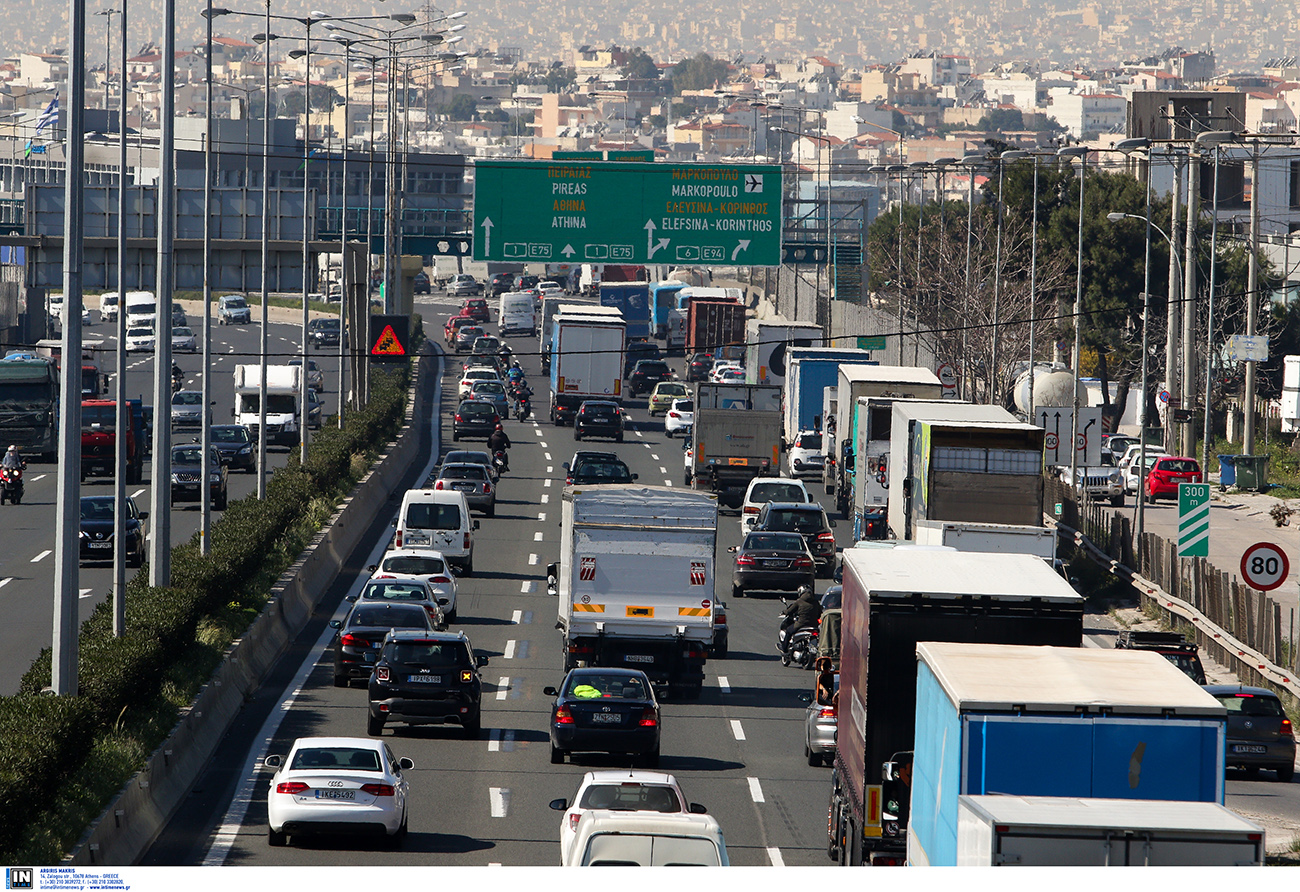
(1252, 473)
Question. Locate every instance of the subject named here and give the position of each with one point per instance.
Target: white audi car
(340, 786)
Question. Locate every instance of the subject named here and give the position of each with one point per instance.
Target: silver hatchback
(474, 481)
(820, 725)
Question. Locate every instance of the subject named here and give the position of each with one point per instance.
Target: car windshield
(798, 521)
(328, 324)
(463, 472)
(433, 516)
(388, 615)
(493, 387)
(230, 435)
(433, 654)
(187, 456)
(104, 416)
(594, 686)
(810, 441)
(235, 303)
(1249, 704)
(630, 796)
(684, 406)
(181, 331)
(605, 471)
(777, 492)
(97, 508)
(352, 758)
(140, 333)
(470, 331)
(482, 410)
(670, 389)
(187, 398)
(394, 591)
(774, 541)
(1178, 466)
(651, 367)
(463, 456)
(414, 565)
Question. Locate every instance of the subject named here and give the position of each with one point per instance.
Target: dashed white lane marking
(774, 855)
(543, 445)
(39, 477)
(648, 445)
(499, 798)
(494, 741)
(663, 470)
(545, 498)
(6, 581)
(639, 434)
(137, 493)
(548, 455)
(546, 482)
(509, 653)
(537, 537)
(44, 554)
(737, 731)
(532, 560)
(550, 468)
(84, 593)
(541, 517)
(494, 864)
(667, 482)
(526, 588)
(503, 688)
(652, 455)
(724, 683)
(517, 617)
(755, 789)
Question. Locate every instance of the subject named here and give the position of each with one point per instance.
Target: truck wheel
(1117, 501)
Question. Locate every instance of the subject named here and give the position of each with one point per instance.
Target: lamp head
(1132, 145)
(403, 18)
(1115, 216)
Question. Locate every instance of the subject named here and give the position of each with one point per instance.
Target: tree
(558, 78)
(700, 72)
(495, 115)
(640, 66)
(461, 108)
(1002, 120)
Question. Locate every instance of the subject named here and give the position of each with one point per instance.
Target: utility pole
(1189, 302)
(1252, 304)
(1172, 382)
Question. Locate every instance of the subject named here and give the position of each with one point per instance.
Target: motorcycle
(797, 645)
(523, 408)
(178, 380)
(11, 485)
(500, 462)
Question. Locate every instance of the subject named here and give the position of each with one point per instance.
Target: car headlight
(1114, 477)
(245, 450)
(215, 478)
(81, 534)
(175, 477)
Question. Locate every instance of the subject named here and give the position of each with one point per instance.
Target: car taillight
(720, 619)
(563, 716)
(398, 540)
(751, 509)
(673, 415)
(826, 537)
(437, 484)
(377, 789)
(291, 787)
(487, 488)
(573, 821)
(1285, 730)
(827, 712)
(744, 560)
(458, 418)
(352, 641)
(442, 579)
(649, 719)
(385, 576)
(466, 543)
(802, 563)
(381, 673)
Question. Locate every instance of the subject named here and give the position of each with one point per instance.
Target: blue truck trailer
(1053, 721)
(663, 300)
(811, 371)
(633, 300)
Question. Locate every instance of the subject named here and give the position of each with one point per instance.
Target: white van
(517, 313)
(108, 307)
(141, 309)
(646, 839)
(438, 519)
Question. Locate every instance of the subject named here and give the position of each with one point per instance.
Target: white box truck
(1051, 831)
(987, 538)
(586, 360)
(635, 581)
(517, 314)
(282, 420)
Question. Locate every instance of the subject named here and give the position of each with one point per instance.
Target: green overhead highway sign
(627, 212)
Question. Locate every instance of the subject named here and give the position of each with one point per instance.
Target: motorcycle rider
(499, 441)
(523, 397)
(803, 612)
(13, 460)
(178, 377)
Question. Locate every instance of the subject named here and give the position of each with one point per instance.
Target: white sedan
(337, 785)
(680, 416)
(139, 340)
(621, 790)
(425, 564)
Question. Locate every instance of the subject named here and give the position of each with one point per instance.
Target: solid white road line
(724, 684)
(517, 617)
(774, 854)
(44, 554)
(755, 790)
(532, 560)
(737, 731)
(499, 801)
(509, 653)
(503, 687)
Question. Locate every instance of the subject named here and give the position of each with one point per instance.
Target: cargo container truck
(713, 323)
(766, 345)
(736, 437)
(632, 299)
(586, 360)
(809, 371)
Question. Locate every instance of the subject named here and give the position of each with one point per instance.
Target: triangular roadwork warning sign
(387, 344)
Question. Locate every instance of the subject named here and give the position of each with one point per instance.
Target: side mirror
(443, 602)
(550, 691)
(832, 523)
(565, 466)
(405, 764)
(394, 523)
(372, 568)
(697, 809)
(144, 515)
(559, 804)
(839, 573)
(805, 698)
(907, 487)
(336, 624)
(351, 598)
(232, 413)
(480, 660)
(476, 524)
(733, 549)
(634, 476)
(273, 761)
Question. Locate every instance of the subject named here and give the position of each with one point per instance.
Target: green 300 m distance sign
(627, 212)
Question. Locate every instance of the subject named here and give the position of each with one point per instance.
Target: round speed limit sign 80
(1264, 566)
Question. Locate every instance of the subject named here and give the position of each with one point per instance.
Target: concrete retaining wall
(130, 824)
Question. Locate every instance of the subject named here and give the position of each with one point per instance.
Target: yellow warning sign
(387, 344)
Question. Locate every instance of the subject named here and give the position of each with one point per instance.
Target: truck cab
(99, 441)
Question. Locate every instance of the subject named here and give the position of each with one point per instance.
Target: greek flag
(47, 117)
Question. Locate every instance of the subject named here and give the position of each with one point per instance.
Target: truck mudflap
(677, 662)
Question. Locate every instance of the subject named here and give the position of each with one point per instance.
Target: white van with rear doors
(438, 519)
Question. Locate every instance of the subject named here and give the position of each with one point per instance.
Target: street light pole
(1172, 334)
(266, 260)
(1252, 305)
(205, 436)
(1213, 138)
(122, 415)
(972, 163)
(108, 47)
(1080, 152)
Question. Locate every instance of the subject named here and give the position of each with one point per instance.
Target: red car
(453, 325)
(1168, 472)
(476, 307)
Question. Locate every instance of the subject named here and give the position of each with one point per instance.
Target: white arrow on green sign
(1193, 520)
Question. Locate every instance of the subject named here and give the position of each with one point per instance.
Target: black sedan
(361, 635)
(809, 520)
(189, 470)
(236, 446)
(474, 418)
(699, 366)
(589, 473)
(97, 530)
(769, 561)
(598, 418)
(424, 679)
(646, 374)
(605, 711)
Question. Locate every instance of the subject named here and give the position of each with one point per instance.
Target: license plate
(606, 718)
(99, 544)
(463, 487)
(639, 658)
(425, 679)
(1249, 748)
(348, 795)
(774, 564)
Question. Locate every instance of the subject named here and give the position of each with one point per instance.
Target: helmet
(515, 364)
(13, 448)
(499, 426)
(804, 590)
